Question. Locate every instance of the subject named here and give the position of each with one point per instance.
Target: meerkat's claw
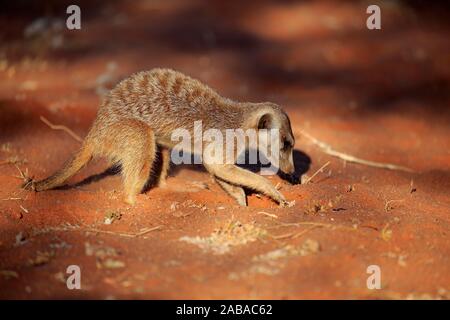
(287, 204)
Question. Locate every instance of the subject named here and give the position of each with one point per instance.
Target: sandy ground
(378, 95)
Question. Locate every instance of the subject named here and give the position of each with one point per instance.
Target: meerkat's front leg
(234, 191)
(241, 177)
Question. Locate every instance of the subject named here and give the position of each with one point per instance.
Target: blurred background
(381, 95)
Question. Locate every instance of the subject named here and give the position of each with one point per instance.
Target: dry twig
(10, 161)
(386, 205)
(12, 199)
(268, 214)
(294, 235)
(61, 127)
(24, 209)
(128, 235)
(316, 173)
(85, 228)
(347, 157)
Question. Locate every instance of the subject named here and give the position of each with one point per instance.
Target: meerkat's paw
(287, 204)
(162, 184)
(242, 202)
(129, 199)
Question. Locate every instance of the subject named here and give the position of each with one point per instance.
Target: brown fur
(141, 112)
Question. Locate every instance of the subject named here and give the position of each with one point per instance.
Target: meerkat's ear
(260, 119)
(265, 121)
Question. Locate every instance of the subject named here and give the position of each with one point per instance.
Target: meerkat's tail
(71, 167)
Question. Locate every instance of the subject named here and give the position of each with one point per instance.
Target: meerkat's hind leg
(236, 192)
(165, 165)
(137, 155)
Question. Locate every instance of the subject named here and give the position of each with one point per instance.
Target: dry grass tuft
(231, 235)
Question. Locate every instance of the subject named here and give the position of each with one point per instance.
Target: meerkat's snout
(286, 163)
(286, 158)
(271, 116)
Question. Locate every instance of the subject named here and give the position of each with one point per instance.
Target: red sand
(379, 95)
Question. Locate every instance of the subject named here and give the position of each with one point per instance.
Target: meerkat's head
(269, 116)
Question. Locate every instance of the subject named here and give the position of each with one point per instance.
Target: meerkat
(137, 117)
